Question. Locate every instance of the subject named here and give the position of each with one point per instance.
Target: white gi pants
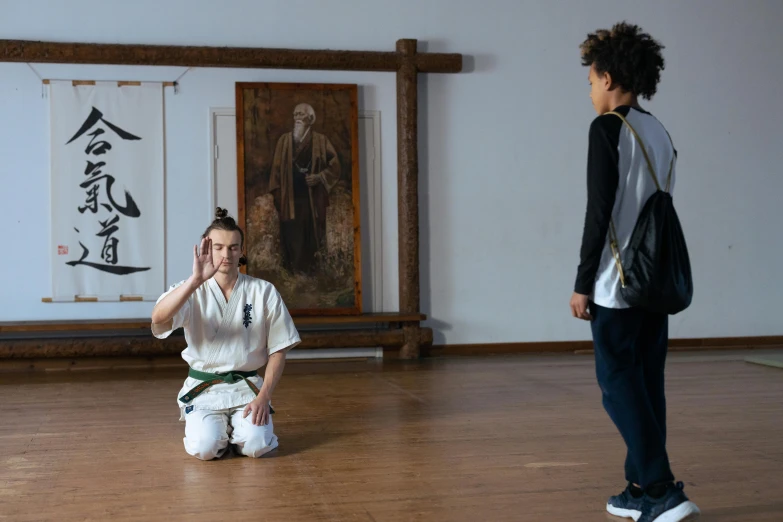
(208, 433)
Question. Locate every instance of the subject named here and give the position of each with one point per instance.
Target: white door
(226, 164)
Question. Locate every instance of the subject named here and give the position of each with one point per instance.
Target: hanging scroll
(107, 166)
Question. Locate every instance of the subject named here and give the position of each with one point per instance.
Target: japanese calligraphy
(99, 197)
(112, 269)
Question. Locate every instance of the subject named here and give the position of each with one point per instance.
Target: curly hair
(631, 57)
(225, 222)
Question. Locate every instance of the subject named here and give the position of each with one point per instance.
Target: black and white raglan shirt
(618, 186)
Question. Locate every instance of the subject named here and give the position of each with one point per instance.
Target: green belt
(216, 378)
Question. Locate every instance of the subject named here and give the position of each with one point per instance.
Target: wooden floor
(512, 438)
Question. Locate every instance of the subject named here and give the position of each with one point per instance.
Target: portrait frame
(331, 283)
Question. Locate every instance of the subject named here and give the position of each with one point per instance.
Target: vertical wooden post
(408, 191)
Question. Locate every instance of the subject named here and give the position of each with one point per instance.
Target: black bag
(655, 269)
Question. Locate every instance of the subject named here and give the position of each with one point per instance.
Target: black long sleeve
(602, 181)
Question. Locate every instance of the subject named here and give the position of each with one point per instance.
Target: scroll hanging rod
(120, 83)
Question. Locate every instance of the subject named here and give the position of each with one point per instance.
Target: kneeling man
(234, 325)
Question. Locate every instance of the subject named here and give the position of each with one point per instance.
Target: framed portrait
(298, 192)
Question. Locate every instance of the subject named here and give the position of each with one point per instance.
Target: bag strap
(612, 232)
(644, 151)
(616, 252)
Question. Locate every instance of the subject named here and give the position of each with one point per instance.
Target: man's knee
(206, 448)
(259, 444)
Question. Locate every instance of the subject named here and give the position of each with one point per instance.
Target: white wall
(503, 146)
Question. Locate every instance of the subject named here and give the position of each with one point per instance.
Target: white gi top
(235, 336)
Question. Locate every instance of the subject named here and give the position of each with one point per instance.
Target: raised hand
(203, 267)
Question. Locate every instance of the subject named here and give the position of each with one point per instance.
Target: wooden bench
(133, 337)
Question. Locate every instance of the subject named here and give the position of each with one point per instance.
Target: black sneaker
(673, 506)
(625, 504)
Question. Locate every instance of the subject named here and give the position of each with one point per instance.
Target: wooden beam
(144, 324)
(238, 57)
(408, 188)
(74, 326)
(148, 346)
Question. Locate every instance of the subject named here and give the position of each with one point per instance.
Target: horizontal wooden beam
(238, 57)
(144, 324)
(137, 346)
(74, 325)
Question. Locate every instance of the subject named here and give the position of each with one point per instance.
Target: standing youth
(630, 342)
